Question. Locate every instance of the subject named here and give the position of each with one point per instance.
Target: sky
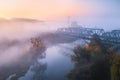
(48, 9)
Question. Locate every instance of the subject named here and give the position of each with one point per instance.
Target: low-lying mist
(15, 39)
(15, 35)
(12, 55)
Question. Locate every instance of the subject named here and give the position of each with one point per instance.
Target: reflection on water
(58, 59)
(58, 64)
(53, 64)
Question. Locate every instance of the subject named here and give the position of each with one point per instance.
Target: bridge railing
(112, 37)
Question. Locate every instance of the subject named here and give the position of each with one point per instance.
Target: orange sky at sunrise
(42, 9)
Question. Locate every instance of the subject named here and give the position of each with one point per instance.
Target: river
(55, 65)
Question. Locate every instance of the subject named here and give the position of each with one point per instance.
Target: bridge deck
(108, 38)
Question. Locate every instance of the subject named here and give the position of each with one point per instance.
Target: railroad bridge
(111, 38)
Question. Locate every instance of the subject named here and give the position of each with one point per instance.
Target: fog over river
(55, 62)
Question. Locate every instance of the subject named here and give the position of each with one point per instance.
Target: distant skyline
(53, 9)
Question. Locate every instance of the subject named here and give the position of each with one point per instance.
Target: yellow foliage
(88, 48)
(115, 69)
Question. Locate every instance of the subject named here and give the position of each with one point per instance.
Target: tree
(115, 69)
